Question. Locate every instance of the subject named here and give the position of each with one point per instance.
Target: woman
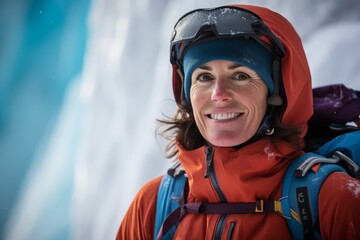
(243, 88)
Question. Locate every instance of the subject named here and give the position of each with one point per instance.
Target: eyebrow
(231, 67)
(205, 67)
(236, 65)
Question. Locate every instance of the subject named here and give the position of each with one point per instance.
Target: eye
(204, 77)
(241, 76)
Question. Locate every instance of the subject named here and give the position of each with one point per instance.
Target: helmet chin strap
(266, 126)
(274, 100)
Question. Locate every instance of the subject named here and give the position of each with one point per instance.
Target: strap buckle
(278, 207)
(259, 206)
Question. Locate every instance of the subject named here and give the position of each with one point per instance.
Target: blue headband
(246, 52)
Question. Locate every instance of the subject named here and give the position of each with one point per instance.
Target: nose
(221, 92)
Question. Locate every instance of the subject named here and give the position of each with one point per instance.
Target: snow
(269, 152)
(354, 187)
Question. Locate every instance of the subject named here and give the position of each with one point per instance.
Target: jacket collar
(247, 174)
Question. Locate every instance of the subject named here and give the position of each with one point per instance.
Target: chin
(227, 143)
(228, 138)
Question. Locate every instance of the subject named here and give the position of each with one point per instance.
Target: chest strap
(260, 206)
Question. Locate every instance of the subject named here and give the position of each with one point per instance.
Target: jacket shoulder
(340, 193)
(139, 220)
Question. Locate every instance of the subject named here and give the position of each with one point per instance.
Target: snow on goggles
(223, 21)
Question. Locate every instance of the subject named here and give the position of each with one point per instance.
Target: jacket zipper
(210, 172)
(231, 230)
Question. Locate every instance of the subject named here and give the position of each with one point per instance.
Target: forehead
(223, 64)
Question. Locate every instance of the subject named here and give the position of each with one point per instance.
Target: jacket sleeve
(339, 211)
(139, 220)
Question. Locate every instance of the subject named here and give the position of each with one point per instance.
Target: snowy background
(81, 85)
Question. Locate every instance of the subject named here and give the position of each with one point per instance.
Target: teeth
(224, 116)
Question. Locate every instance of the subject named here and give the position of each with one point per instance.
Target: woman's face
(229, 102)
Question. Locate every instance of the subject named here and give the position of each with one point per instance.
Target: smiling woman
(243, 89)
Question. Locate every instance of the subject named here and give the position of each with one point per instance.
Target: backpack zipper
(210, 172)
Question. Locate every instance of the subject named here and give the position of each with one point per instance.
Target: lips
(223, 116)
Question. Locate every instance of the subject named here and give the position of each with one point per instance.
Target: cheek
(256, 99)
(198, 100)
(197, 96)
(261, 104)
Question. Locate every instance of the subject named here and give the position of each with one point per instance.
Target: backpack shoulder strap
(305, 176)
(300, 195)
(169, 195)
(348, 145)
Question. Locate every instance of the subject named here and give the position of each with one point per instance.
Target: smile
(223, 116)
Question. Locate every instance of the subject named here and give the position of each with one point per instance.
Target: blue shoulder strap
(302, 185)
(170, 190)
(300, 196)
(348, 144)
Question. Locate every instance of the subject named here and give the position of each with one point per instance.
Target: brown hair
(182, 129)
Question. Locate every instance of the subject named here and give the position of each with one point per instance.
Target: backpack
(301, 185)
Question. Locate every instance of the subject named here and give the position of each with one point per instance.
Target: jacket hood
(296, 75)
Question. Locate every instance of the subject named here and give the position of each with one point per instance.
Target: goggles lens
(223, 21)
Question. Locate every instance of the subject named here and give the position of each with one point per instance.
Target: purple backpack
(336, 111)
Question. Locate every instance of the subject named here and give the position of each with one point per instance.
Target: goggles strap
(266, 45)
(277, 44)
(275, 99)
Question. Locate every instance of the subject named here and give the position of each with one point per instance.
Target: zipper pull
(208, 160)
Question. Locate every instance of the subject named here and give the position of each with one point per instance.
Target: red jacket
(255, 171)
(245, 176)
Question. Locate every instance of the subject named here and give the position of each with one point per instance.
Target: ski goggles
(223, 21)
